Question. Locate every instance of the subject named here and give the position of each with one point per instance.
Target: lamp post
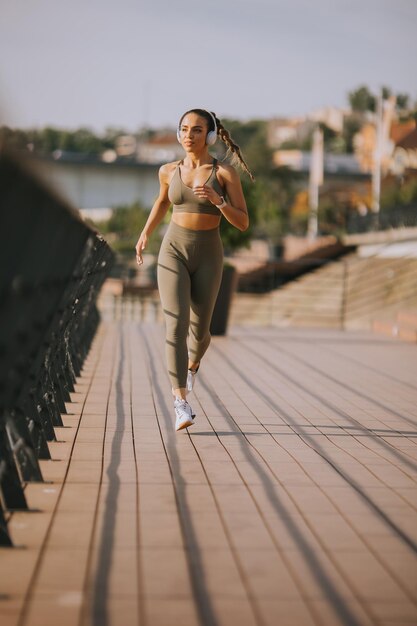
(316, 179)
(383, 145)
(376, 170)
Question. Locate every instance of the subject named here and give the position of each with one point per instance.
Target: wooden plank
(291, 500)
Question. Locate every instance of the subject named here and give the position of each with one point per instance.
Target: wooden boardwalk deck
(291, 502)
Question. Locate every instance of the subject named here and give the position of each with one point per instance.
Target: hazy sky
(128, 63)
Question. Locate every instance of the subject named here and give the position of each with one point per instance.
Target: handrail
(52, 266)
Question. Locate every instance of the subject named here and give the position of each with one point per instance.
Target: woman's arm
(157, 213)
(235, 211)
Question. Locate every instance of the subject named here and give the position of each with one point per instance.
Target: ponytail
(233, 150)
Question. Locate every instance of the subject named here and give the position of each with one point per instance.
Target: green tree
(332, 140)
(265, 199)
(34, 139)
(361, 99)
(394, 195)
(351, 126)
(110, 136)
(86, 141)
(46, 140)
(402, 101)
(124, 227)
(408, 192)
(50, 139)
(386, 93)
(232, 237)
(16, 139)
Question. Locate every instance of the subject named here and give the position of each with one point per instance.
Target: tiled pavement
(291, 502)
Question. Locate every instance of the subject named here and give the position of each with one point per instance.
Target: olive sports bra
(184, 199)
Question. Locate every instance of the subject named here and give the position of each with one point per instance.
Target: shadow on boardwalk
(292, 500)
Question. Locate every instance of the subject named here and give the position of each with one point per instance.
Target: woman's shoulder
(226, 171)
(166, 170)
(223, 166)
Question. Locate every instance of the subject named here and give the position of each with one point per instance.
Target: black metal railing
(52, 266)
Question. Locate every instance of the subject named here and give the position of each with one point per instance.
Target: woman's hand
(140, 246)
(207, 193)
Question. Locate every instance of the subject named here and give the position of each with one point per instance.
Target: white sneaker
(191, 379)
(183, 413)
(175, 397)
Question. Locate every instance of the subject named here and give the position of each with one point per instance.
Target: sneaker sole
(185, 425)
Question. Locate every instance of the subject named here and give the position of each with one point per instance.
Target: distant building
(400, 149)
(294, 130)
(400, 130)
(332, 117)
(404, 157)
(299, 161)
(344, 181)
(364, 146)
(160, 148)
(126, 145)
(282, 130)
(347, 177)
(297, 130)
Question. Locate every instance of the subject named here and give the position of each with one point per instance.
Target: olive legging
(190, 265)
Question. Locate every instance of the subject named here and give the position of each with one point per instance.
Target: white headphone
(211, 135)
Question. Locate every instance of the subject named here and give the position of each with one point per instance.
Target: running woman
(190, 260)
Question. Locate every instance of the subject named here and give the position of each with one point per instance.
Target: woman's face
(193, 132)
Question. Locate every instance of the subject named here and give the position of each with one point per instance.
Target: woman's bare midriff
(196, 221)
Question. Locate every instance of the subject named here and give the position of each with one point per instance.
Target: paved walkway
(291, 502)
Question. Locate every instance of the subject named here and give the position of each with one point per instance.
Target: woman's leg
(205, 283)
(174, 289)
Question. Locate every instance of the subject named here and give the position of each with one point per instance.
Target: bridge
(291, 501)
